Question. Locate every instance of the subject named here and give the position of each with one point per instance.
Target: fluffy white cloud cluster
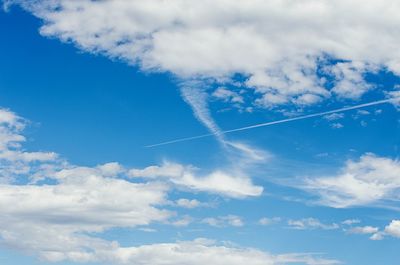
(53, 220)
(393, 230)
(283, 48)
(371, 180)
(58, 211)
(14, 161)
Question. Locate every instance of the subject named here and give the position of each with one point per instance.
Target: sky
(102, 103)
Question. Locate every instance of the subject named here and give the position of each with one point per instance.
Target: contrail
(379, 102)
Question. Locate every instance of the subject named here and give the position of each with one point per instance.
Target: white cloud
(214, 40)
(337, 125)
(334, 116)
(370, 180)
(58, 211)
(377, 236)
(363, 112)
(203, 251)
(87, 199)
(219, 182)
(184, 221)
(195, 95)
(52, 221)
(351, 221)
(10, 119)
(186, 203)
(311, 223)
(349, 79)
(364, 230)
(227, 95)
(269, 221)
(61, 213)
(14, 160)
(393, 229)
(221, 221)
(111, 169)
(247, 154)
(395, 95)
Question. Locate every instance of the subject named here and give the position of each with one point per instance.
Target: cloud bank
(297, 52)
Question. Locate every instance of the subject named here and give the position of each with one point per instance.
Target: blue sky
(86, 85)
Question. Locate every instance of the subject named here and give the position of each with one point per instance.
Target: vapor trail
(379, 102)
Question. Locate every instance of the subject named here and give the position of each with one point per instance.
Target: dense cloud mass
(298, 52)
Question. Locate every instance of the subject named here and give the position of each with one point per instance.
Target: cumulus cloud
(14, 160)
(219, 182)
(51, 220)
(286, 50)
(393, 229)
(370, 180)
(58, 211)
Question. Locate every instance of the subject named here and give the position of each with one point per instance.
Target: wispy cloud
(311, 223)
(309, 116)
(220, 182)
(221, 221)
(363, 230)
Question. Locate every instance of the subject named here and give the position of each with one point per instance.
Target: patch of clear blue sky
(93, 110)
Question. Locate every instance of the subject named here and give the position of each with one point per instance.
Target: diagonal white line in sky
(379, 102)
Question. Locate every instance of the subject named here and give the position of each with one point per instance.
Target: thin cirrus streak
(379, 102)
